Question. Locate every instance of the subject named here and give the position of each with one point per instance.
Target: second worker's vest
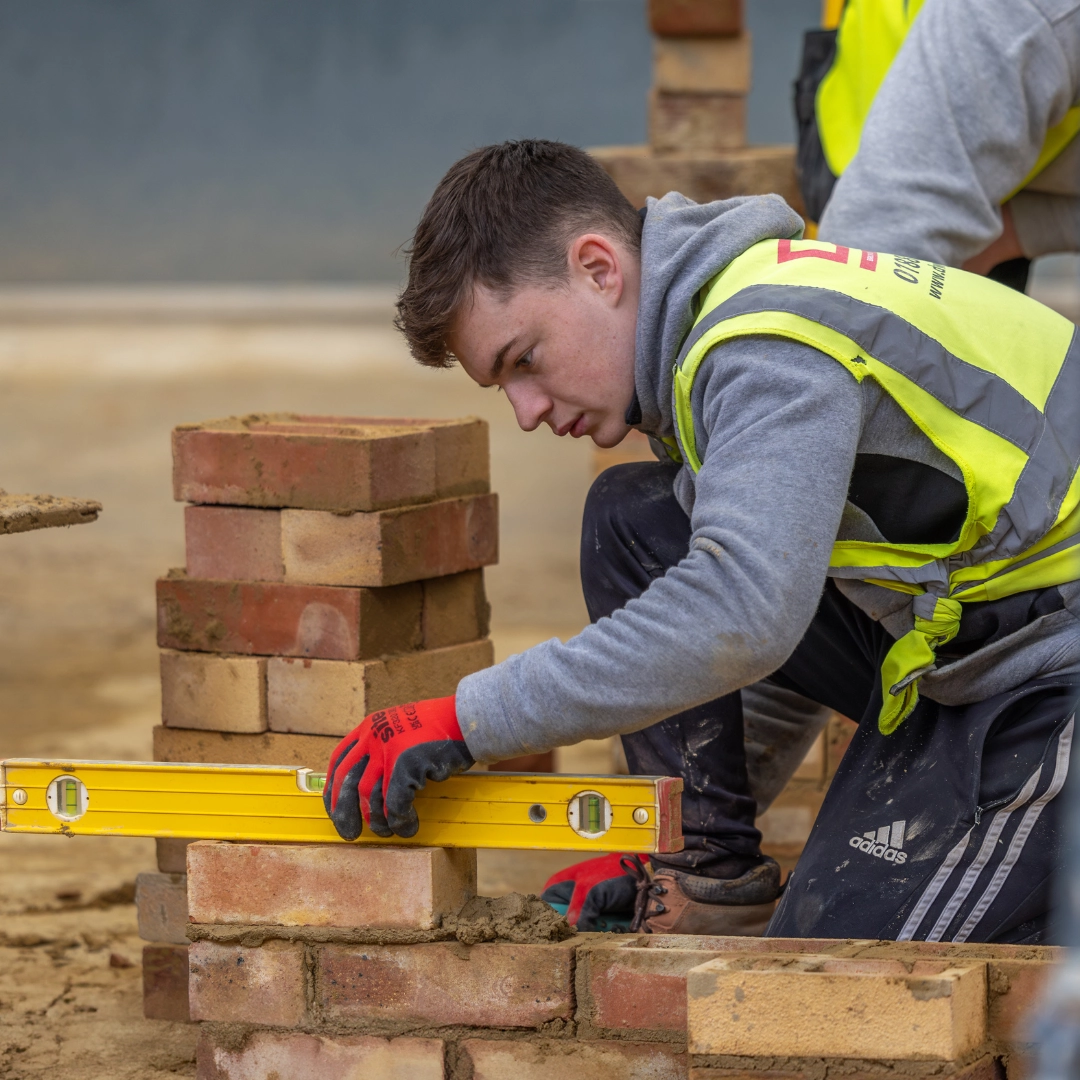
(990, 376)
(842, 69)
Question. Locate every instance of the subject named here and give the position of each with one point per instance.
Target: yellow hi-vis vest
(989, 375)
(869, 35)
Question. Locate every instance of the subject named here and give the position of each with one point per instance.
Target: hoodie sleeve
(782, 423)
(957, 124)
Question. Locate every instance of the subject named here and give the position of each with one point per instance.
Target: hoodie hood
(683, 245)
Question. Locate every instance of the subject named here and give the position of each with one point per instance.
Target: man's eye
(525, 360)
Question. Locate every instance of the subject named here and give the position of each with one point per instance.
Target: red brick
(161, 905)
(327, 462)
(390, 547)
(330, 697)
(559, 1059)
(235, 984)
(232, 542)
(212, 692)
(279, 619)
(165, 982)
(455, 609)
(226, 748)
(685, 18)
(638, 988)
(752, 170)
(266, 1055)
(497, 985)
(696, 122)
(328, 884)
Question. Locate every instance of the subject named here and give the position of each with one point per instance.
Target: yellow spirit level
(280, 803)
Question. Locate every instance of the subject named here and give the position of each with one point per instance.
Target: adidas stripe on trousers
(947, 830)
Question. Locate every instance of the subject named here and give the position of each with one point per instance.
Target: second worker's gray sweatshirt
(955, 128)
(778, 425)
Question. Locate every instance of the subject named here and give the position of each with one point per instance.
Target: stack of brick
(334, 567)
(323, 963)
(697, 113)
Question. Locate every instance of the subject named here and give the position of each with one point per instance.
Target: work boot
(674, 902)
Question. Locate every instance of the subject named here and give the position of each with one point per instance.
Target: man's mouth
(575, 429)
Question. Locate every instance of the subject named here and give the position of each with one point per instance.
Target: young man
(869, 496)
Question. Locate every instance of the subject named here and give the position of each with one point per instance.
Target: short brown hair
(502, 217)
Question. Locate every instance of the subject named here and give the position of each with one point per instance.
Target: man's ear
(598, 263)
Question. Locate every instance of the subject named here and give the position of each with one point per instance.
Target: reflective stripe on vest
(989, 375)
(869, 36)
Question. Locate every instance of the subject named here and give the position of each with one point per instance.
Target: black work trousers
(948, 829)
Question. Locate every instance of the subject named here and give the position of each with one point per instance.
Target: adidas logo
(886, 843)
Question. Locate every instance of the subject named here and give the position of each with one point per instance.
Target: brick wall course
(227, 748)
(330, 697)
(209, 692)
(833, 1007)
(552, 1059)
(234, 984)
(314, 547)
(494, 985)
(161, 905)
(283, 619)
(327, 462)
(391, 546)
(165, 982)
(640, 984)
(327, 884)
(297, 1056)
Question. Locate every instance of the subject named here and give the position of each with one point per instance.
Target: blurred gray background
(297, 140)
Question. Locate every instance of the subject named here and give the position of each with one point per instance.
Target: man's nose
(530, 406)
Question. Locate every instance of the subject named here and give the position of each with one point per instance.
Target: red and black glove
(377, 769)
(590, 890)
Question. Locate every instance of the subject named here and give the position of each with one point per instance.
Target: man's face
(563, 353)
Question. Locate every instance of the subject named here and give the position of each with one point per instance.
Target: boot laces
(646, 890)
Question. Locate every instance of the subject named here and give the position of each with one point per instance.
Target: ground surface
(86, 410)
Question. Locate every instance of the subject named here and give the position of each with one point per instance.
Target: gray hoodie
(957, 124)
(778, 425)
